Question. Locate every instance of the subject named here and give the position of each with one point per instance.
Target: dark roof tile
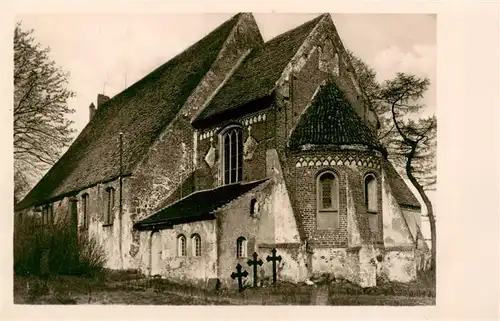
(400, 190)
(198, 205)
(256, 77)
(141, 111)
(330, 120)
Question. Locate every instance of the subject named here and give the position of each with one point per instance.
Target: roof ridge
(303, 25)
(316, 21)
(258, 183)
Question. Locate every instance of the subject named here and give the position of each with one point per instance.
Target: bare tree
(41, 129)
(412, 142)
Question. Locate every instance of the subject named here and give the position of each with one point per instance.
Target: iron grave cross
(274, 259)
(254, 262)
(240, 275)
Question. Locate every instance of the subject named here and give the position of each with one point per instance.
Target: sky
(108, 53)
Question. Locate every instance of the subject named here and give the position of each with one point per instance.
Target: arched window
(181, 245)
(110, 205)
(371, 199)
(232, 155)
(327, 201)
(85, 210)
(254, 207)
(196, 245)
(241, 247)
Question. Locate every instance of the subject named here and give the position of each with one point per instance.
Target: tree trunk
(428, 206)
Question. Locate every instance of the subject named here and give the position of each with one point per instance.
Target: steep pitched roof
(402, 193)
(197, 206)
(330, 120)
(256, 77)
(141, 112)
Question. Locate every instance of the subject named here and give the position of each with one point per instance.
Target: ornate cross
(255, 262)
(274, 259)
(240, 275)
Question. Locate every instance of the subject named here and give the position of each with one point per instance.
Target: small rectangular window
(47, 215)
(85, 208)
(50, 219)
(110, 205)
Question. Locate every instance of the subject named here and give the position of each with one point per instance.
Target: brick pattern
(303, 188)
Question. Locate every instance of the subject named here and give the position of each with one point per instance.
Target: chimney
(91, 111)
(101, 99)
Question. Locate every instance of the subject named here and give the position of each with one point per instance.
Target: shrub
(92, 258)
(40, 250)
(27, 251)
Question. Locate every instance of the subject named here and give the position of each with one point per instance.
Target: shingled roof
(196, 206)
(257, 75)
(400, 190)
(330, 120)
(141, 112)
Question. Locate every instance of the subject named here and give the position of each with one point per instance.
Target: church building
(236, 146)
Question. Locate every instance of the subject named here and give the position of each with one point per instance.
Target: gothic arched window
(232, 155)
(196, 245)
(254, 207)
(241, 247)
(181, 245)
(327, 201)
(371, 199)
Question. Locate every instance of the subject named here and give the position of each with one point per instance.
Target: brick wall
(187, 269)
(303, 190)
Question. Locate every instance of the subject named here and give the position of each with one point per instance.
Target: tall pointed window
(196, 245)
(232, 155)
(241, 247)
(181, 245)
(371, 201)
(110, 205)
(85, 211)
(327, 201)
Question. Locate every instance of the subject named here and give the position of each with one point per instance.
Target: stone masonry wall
(186, 269)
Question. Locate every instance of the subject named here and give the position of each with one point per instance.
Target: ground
(130, 288)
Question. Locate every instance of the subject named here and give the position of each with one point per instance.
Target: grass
(124, 287)
(380, 300)
(422, 291)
